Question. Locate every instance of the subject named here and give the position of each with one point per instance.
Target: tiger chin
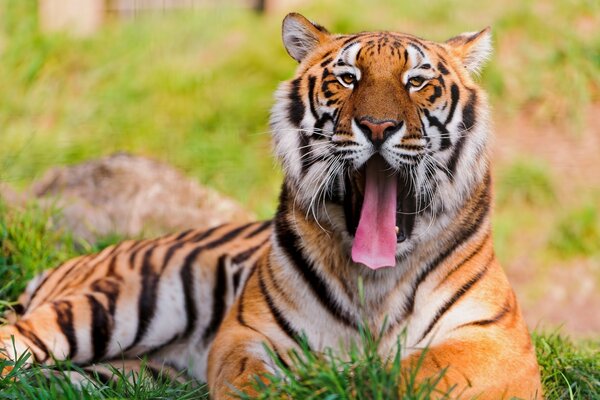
(383, 139)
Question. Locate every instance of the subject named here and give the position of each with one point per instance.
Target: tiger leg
(238, 355)
(474, 368)
(236, 359)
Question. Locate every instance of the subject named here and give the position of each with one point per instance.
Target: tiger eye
(416, 81)
(348, 78)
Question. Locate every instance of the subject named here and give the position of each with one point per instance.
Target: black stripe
(417, 48)
(506, 308)
(134, 252)
(170, 252)
(443, 68)
(467, 123)
(42, 283)
(289, 241)
(303, 147)
(187, 281)
(18, 309)
(348, 40)
(262, 227)
(240, 308)
(229, 236)
(183, 234)
(295, 106)
(33, 338)
(101, 327)
(237, 276)
(437, 92)
(468, 113)
(457, 295)
(218, 306)
(454, 98)
(326, 61)
(187, 278)
(111, 271)
(279, 358)
(173, 248)
(57, 286)
(445, 137)
(246, 254)
(465, 260)
(96, 260)
(110, 289)
(320, 124)
(147, 298)
(243, 363)
(312, 81)
(282, 292)
(204, 234)
(281, 321)
(64, 319)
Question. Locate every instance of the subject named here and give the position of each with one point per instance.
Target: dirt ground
(562, 294)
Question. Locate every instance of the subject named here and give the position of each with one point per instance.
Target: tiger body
(373, 125)
(163, 297)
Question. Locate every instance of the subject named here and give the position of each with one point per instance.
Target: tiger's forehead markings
(348, 55)
(410, 49)
(417, 57)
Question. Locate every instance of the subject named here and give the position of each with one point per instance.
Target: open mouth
(380, 210)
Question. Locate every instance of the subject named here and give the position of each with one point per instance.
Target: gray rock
(130, 196)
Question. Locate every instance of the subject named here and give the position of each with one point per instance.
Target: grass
(55, 383)
(577, 233)
(194, 88)
(28, 245)
(569, 370)
(525, 182)
(362, 374)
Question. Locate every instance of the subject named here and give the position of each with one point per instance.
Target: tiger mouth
(405, 203)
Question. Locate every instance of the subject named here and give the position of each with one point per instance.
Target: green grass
(53, 383)
(28, 245)
(577, 233)
(362, 374)
(194, 88)
(570, 370)
(525, 182)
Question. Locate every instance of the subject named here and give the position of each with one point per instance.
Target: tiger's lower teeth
(397, 230)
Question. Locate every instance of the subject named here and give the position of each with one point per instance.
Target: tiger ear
(472, 48)
(300, 36)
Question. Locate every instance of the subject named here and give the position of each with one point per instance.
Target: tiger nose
(378, 131)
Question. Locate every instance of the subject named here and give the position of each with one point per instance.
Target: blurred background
(189, 83)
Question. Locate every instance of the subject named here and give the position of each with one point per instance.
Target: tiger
(383, 222)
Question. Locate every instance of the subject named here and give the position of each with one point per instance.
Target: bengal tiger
(383, 140)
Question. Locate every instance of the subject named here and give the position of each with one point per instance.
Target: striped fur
(164, 297)
(208, 301)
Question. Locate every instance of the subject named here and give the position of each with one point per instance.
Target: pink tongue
(375, 240)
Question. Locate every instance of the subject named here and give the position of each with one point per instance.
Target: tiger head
(382, 135)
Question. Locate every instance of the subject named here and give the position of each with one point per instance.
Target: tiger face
(381, 135)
